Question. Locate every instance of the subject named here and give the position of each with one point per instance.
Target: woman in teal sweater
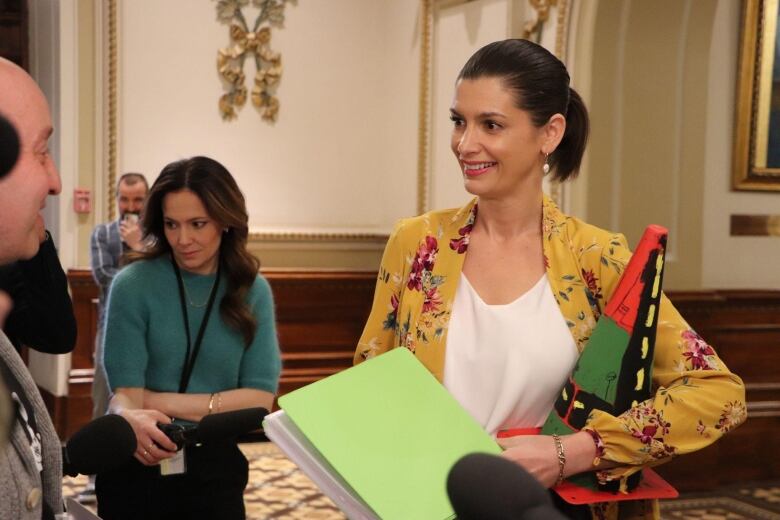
(189, 331)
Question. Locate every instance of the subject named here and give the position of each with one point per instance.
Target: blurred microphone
(215, 427)
(220, 426)
(104, 444)
(9, 146)
(487, 487)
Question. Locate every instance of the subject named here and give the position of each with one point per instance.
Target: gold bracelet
(561, 457)
(219, 402)
(211, 404)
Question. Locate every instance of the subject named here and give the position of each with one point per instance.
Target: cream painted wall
(660, 82)
(62, 50)
(731, 262)
(342, 155)
(53, 35)
(647, 105)
(396, 179)
(459, 30)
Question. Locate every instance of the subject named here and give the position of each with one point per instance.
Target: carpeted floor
(759, 501)
(278, 490)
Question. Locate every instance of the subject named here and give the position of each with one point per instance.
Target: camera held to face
(130, 217)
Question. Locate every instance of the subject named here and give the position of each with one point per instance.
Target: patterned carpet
(278, 490)
(759, 501)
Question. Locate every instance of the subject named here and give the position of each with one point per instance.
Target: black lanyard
(189, 361)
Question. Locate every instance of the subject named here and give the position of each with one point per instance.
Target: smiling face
(24, 190)
(498, 148)
(193, 235)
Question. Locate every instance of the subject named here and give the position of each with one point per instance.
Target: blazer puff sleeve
(697, 398)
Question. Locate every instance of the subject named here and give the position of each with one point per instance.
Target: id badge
(175, 465)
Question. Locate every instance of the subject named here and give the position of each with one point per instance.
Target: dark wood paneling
(320, 316)
(78, 405)
(744, 327)
(14, 34)
(84, 294)
(755, 225)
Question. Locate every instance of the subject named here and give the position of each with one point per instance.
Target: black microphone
(104, 444)
(9, 146)
(487, 487)
(226, 425)
(215, 427)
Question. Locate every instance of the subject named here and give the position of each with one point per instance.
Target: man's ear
(553, 133)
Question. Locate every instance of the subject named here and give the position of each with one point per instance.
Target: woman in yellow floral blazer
(515, 117)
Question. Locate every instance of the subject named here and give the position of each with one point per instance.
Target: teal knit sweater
(145, 342)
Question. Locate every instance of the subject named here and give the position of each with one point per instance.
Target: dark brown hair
(540, 83)
(225, 203)
(131, 179)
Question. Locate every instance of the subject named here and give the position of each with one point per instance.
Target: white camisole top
(505, 364)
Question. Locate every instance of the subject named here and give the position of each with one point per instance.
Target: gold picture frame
(756, 165)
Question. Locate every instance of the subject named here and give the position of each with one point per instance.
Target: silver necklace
(192, 303)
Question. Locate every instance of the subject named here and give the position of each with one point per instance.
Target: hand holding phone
(130, 231)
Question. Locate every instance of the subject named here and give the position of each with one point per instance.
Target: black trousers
(212, 488)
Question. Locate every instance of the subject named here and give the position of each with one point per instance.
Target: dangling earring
(546, 167)
(225, 230)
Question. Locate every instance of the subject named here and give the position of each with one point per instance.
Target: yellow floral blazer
(697, 398)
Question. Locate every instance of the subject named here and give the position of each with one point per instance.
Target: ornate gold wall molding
(751, 165)
(426, 19)
(562, 30)
(561, 38)
(112, 92)
(111, 162)
(535, 26)
(423, 124)
(295, 236)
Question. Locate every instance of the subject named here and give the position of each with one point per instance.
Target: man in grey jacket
(30, 462)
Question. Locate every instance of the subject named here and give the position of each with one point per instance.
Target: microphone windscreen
(9, 146)
(227, 425)
(487, 487)
(104, 444)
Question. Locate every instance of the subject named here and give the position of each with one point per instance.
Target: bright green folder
(392, 431)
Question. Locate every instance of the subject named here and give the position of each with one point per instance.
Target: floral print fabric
(697, 398)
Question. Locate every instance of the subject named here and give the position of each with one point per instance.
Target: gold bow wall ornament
(542, 8)
(256, 44)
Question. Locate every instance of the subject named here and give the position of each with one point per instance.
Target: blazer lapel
(566, 275)
(450, 232)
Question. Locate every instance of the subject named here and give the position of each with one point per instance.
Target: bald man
(30, 463)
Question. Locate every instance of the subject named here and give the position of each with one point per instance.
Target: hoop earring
(546, 167)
